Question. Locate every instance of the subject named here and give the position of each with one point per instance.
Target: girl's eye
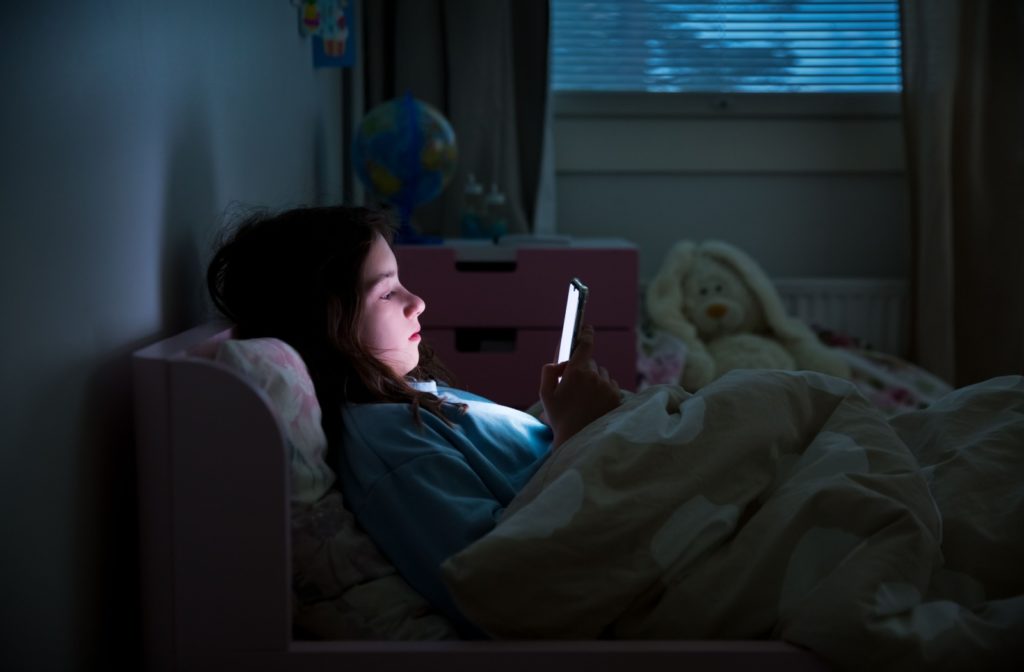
(718, 288)
(703, 291)
(387, 296)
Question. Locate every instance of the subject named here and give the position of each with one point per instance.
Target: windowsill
(593, 104)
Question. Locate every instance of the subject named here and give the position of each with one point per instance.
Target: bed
(217, 507)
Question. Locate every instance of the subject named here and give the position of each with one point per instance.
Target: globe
(404, 152)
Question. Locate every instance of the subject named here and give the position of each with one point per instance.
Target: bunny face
(717, 301)
(725, 310)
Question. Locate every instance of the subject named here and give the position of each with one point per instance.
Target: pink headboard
(213, 493)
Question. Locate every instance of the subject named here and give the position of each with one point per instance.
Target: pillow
(277, 369)
(342, 585)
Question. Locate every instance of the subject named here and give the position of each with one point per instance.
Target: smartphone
(574, 306)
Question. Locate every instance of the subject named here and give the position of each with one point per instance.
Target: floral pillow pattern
(277, 369)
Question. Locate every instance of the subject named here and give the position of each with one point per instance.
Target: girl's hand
(584, 394)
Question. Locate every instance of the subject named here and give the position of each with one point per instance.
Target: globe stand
(410, 237)
(407, 235)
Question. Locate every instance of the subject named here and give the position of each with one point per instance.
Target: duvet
(773, 505)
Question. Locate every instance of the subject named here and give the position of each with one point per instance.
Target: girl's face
(389, 325)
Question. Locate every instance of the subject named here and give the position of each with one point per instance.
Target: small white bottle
(495, 213)
(471, 221)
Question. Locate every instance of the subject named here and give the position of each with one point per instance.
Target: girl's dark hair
(296, 276)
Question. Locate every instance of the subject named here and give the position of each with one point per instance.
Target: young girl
(426, 469)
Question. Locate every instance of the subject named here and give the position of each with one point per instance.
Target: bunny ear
(665, 293)
(783, 326)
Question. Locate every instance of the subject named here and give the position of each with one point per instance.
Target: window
(774, 46)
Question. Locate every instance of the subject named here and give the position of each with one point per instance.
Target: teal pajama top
(423, 493)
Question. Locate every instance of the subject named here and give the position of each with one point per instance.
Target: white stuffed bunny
(720, 303)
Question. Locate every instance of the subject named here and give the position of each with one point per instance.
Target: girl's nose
(416, 305)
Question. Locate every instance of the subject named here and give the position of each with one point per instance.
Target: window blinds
(777, 46)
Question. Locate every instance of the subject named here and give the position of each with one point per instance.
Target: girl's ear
(664, 296)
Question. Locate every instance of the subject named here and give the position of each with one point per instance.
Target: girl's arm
(425, 511)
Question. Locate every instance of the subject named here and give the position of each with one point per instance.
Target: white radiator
(872, 309)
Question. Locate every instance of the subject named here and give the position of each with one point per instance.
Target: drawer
(528, 291)
(504, 366)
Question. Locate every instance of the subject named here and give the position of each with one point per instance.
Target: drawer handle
(485, 339)
(485, 266)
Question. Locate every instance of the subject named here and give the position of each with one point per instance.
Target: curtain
(963, 111)
(484, 65)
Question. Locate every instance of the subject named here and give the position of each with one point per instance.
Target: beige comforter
(773, 504)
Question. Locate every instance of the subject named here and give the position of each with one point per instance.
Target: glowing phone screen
(574, 305)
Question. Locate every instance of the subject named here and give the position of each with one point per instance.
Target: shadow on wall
(107, 541)
(321, 173)
(189, 219)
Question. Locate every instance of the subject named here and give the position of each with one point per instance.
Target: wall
(130, 129)
(809, 185)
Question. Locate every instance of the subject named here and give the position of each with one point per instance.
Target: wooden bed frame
(214, 512)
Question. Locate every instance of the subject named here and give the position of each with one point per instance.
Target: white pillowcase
(277, 369)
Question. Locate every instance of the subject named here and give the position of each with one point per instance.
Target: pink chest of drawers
(494, 312)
